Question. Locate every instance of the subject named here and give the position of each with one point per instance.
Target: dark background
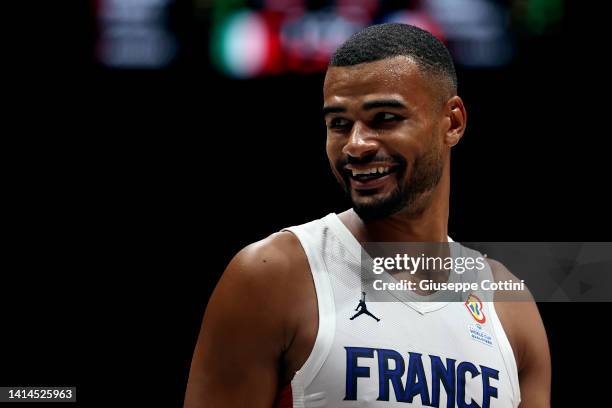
(130, 190)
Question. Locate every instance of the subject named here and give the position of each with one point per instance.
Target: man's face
(384, 141)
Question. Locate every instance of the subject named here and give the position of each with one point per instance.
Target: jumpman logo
(363, 309)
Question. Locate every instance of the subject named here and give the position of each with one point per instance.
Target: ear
(457, 119)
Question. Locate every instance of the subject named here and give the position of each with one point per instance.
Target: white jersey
(395, 354)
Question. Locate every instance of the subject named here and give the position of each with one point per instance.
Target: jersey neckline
(421, 304)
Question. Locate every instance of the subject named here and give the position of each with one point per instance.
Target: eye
(337, 123)
(385, 117)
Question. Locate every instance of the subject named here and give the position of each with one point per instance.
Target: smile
(370, 176)
(373, 171)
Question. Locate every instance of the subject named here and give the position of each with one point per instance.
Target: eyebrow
(332, 109)
(383, 103)
(380, 103)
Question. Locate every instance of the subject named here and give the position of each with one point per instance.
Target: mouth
(371, 176)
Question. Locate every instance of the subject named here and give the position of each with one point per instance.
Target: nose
(362, 142)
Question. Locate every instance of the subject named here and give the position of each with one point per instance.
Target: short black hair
(388, 40)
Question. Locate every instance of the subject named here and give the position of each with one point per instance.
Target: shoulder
(273, 256)
(265, 269)
(258, 288)
(502, 274)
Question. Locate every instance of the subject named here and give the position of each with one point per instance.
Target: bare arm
(244, 333)
(522, 322)
(534, 361)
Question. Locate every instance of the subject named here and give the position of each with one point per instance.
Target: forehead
(398, 77)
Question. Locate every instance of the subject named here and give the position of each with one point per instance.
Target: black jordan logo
(363, 309)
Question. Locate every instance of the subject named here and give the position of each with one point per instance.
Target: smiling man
(281, 329)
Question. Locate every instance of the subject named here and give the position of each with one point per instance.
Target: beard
(409, 197)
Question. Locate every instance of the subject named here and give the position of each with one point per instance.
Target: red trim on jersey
(284, 399)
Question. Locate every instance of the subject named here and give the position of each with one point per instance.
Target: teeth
(372, 170)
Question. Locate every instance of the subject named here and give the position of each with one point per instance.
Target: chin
(373, 200)
(377, 206)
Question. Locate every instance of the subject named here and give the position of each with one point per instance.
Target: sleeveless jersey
(395, 354)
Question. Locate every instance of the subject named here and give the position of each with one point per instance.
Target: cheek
(408, 148)
(334, 154)
(333, 149)
(412, 141)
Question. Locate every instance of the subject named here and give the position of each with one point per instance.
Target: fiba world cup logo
(474, 306)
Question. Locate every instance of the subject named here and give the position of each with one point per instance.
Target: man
(278, 329)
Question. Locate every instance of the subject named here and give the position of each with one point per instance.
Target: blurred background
(156, 138)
